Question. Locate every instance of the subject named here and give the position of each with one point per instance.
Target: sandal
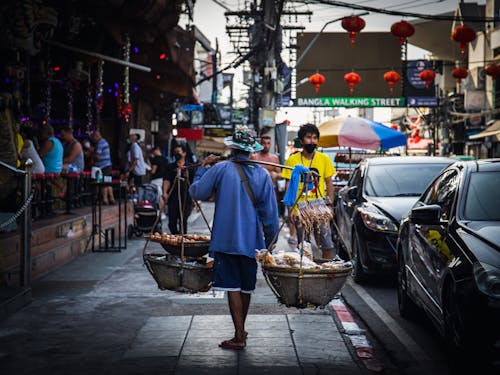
(231, 344)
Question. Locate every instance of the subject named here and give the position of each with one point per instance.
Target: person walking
(320, 163)
(102, 160)
(178, 176)
(158, 170)
(245, 220)
(136, 165)
(267, 156)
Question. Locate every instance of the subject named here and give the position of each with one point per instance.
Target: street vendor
(245, 220)
(322, 186)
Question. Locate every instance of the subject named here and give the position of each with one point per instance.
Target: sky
(209, 18)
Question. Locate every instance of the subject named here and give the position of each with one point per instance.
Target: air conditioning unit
(478, 76)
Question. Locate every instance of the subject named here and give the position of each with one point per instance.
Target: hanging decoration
(459, 74)
(353, 25)
(48, 90)
(70, 94)
(317, 80)
(99, 97)
(90, 113)
(427, 76)
(352, 79)
(463, 35)
(402, 30)
(126, 110)
(492, 70)
(392, 78)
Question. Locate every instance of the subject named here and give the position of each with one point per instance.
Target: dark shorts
(234, 273)
(137, 179)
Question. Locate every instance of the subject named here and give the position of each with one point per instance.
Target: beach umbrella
(359, 132)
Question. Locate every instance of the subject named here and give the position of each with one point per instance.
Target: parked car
(370, 208)
(449, 256)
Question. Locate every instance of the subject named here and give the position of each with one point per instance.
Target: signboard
(351, 102)
(422, 101)
(415, 90)
(218, 132)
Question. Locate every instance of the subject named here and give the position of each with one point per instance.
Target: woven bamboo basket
(304, 287)
(191, 249)
(171, 275)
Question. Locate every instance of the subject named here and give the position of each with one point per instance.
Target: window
(442, 193)
(482, 202)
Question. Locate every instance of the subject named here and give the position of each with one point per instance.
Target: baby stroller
(146, 211)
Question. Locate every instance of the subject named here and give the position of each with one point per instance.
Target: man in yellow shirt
(323, 187)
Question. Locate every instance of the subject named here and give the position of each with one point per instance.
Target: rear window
(482, 202)
(400, 180)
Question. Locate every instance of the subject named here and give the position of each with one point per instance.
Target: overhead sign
(422, 101)
(351, 102)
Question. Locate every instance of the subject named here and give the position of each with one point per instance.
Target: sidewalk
(103, 314)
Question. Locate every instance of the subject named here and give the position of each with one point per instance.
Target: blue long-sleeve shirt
(239, 227)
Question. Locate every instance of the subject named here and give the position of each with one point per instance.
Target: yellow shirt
(320, 163)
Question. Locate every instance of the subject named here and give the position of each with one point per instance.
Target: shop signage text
(351, 102)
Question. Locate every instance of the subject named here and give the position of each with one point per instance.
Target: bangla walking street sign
(351, 102)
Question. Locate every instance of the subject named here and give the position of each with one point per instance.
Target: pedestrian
(73, 159)
(136, 165)
(245, 220)
(51, 150)
(321, 164)
(179, 175)
(267, 156)
(158, 171)
(102, 159)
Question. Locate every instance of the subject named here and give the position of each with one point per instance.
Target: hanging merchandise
(352, 79)
(492, 70)
(99, 97)
(317, 80)
(427, 76)
(402, 30)
(126, 110)
(90, 113)
(353, 25)
(392, 78)
(70, 94)
(459, 74)
(463, 35)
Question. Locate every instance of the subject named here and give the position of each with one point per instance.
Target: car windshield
(400, 180)
(482, 202)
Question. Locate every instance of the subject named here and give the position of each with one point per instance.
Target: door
(346, 205)
(430, 244)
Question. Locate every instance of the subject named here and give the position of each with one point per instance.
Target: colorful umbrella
(359, 132)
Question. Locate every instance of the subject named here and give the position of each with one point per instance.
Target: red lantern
(427, 76)
(353, 25)
(459, 74)
(317, 80)
(352, 79)
(402, 30)
(392, 78)
(492, 70)
(463, 35)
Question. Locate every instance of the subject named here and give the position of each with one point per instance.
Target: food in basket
(312, 212)
(292, 259)
(175, 239)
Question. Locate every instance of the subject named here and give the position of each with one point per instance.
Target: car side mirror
(352, 192)
(429, 215)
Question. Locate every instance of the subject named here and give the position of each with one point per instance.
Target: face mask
(177, 157)
(310, 147)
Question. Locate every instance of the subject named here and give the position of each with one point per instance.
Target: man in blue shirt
(242, 224)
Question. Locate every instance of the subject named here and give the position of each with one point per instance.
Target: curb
(362, 347)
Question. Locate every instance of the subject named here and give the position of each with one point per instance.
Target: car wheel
(407, 308)
(358, 274)
(130, 231)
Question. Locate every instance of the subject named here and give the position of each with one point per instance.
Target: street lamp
(313, 41)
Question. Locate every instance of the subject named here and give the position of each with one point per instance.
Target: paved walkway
(103, 314)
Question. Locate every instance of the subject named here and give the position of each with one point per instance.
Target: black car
(449, 256)
(370, 207)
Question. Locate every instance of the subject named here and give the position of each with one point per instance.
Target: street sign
(351, 102)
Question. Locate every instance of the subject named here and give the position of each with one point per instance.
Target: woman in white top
(29, 152)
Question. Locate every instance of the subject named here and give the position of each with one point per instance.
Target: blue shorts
(234, 273)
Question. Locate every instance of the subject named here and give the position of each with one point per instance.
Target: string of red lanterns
(402, 30)
(317, 80)
(352, 80)
(492, 70)
(463, 35)
(427, 76)
(459, 74)
(392, 78)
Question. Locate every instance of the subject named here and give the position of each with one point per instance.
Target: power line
(403, 14)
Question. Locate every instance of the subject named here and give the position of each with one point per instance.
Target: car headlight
(375, 220)
(487, 279)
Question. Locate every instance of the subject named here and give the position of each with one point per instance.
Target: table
(106, 241)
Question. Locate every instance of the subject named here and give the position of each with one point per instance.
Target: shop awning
(214, 145)
(489, 131)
